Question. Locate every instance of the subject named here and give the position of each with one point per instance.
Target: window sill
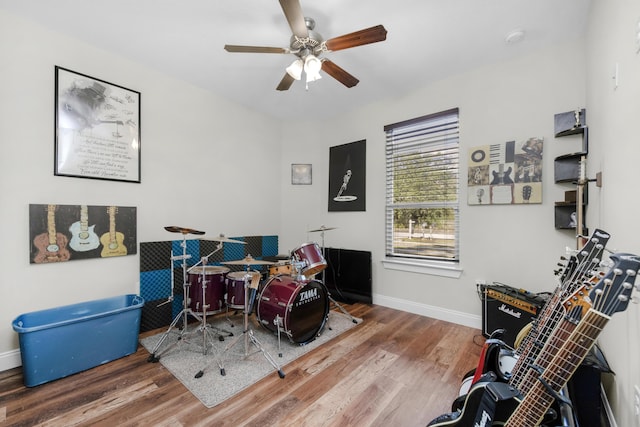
(433, 268)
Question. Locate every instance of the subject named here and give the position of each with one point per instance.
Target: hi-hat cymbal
(248, 260)
(183, 230)
(222, 238)
(322, 228)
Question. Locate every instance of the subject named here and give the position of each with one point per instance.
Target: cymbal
(322, 228)
(222, 238)
(248, 260)
(183, 230)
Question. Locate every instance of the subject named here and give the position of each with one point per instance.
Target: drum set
(286, 298)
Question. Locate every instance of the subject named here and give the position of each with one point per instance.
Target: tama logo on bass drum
(308, 296)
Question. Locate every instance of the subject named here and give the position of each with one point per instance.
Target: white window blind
(422, 183)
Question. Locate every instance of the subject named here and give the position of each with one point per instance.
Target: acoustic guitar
(113, 241)
(52, 246)
(83, 236)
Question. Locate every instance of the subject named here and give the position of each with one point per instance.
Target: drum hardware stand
(355, 320)
(278, 324)
(186, 310)
(247, 333)
(204, 326)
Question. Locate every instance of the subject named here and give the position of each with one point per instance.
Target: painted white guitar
(83, 236)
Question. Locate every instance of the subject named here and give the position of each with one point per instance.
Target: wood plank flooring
(394, 369)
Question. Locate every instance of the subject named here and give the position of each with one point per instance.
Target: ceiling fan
(308, 46)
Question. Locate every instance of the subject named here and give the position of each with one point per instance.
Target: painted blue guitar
(83, 236)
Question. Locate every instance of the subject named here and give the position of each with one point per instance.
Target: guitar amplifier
(511, 309)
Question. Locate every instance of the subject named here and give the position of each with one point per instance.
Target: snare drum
(299, 307)
(213, 277)
(310, 256)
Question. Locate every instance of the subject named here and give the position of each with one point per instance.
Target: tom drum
(235, 287)
(212, 299)
(281, 267)
(310, 256)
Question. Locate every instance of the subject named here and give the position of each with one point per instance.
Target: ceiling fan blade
(293, 13)
(357, 38)
(254, 49)
(338, 73)
(286, 82)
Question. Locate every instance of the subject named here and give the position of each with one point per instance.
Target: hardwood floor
(394, 369)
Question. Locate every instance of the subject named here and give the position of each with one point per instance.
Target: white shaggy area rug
(243, 364)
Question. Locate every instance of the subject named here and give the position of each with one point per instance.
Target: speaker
(511, 309)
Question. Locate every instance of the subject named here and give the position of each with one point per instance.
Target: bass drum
(299, 307)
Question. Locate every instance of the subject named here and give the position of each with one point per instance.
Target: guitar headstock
(613, 292)
(587, 258)
(112, 210)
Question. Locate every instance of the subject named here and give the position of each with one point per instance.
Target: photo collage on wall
(60, 233)
(508, 173)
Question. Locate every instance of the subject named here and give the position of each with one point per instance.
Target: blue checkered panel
(155, 270)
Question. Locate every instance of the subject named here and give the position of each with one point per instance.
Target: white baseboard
(458, 317)
(9, 360)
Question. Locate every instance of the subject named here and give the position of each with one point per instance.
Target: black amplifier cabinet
(511, 309)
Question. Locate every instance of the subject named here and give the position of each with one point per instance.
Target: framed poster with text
(97, 128)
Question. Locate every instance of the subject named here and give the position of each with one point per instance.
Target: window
(422, 212)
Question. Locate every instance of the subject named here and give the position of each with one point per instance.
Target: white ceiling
(426, 40)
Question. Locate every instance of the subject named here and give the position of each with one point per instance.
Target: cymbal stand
(340, 307)
(248, 335)
(186, 310)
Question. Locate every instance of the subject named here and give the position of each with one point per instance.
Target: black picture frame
(347, 177)
(97, 128)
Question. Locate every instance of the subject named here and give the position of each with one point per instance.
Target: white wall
(202, 167)
(615, 146)
(517, 245)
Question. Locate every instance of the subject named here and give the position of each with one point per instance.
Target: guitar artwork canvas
(60, 233)
(508, 173)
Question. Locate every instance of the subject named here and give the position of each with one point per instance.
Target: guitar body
(83, 239)
(113, 245)
(475, 411)
(48, 252)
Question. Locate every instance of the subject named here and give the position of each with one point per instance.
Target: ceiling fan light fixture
(295, 69)
(313, 77)
(312, 65)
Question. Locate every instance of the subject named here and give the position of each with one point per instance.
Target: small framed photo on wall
(301, 174)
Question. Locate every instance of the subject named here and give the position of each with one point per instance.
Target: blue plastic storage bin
(61, 341)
